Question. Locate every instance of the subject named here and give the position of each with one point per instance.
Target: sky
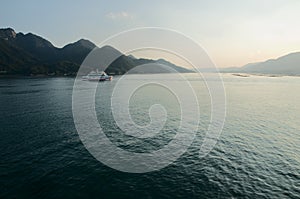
(233, 32)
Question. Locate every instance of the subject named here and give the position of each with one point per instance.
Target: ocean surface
(257, 155)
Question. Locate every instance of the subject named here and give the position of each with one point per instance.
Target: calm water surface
(257, 156)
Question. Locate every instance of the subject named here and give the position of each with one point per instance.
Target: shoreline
(259, 74)
(244, 75)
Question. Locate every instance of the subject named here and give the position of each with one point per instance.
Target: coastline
(243, 75)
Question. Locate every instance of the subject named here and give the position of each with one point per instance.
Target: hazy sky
(232, 32)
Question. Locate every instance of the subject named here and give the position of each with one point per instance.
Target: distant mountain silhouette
(288, 65)
(25, 54)
(285, 65)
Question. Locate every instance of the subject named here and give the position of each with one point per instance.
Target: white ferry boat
(97, 76)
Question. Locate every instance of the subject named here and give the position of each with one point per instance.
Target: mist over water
(258, 154)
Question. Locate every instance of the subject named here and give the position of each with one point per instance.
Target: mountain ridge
(30, 54)
(288, 64)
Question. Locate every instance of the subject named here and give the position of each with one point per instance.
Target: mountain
(11, 63)
(288, 65)
(35, 45)
(7, 34)
(285, 65)
(27, 54)
(76, 52)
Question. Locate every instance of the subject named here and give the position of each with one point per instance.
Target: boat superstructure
(97, 76)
